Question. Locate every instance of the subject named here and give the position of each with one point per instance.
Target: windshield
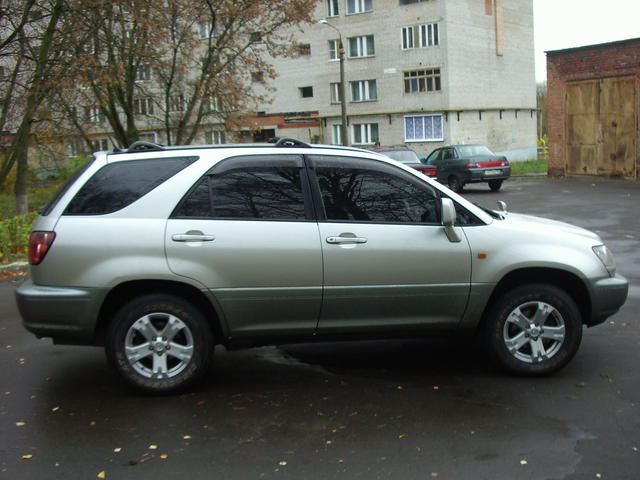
(473, 150)
(404, 156)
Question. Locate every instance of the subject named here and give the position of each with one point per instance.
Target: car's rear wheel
(534, 329)
(495, 185)
(455, 183)
(160, 343)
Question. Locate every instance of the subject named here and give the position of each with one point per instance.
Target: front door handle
(343, 240)
(192, 236)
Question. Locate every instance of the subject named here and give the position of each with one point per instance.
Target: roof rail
(288, 142)
(146, 146)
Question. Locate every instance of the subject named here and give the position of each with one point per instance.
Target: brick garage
(593, 108)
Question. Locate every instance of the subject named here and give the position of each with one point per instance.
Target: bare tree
(29, 47)
(177, 64)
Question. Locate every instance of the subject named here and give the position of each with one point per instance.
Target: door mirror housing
(449, 220)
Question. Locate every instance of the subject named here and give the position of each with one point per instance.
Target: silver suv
(161, 253)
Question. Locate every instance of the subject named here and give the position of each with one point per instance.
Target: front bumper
(608, 295)
(66, 314)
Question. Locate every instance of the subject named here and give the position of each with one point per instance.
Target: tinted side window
(357, 190)
(56, 198)
(256, 192)
(196, 204)
(118, 185)
(265, 187)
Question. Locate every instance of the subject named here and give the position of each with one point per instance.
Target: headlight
(606, 257)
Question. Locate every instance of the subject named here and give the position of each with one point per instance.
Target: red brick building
(593, 106)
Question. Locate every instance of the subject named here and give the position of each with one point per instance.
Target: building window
(143, 106)
(176, 103)
(302, 48)
(359, 6)
(257, 77)
(361, 46)
(420, 36)
(94, 115)
(363, 91)
(408, 2)
(143, 73)
(255, 37)
(429, 35)
(427, 80)
(336, 134)
(211, 104)
(205, 30)
(407, 38)
(334, 49)
(215, 137)
(364, 133)
(333, 9)
(423, 128)
(102, 144)
(336, 96)
(149, 137)
(306, 92)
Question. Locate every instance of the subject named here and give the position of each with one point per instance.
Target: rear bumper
(481, 175)
(68, 315)
(608, 295)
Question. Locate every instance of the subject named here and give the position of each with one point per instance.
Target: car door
(247, 232)
(387, 260)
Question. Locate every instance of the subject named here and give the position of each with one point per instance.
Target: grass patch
(531, 166)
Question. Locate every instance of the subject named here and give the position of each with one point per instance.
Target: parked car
(160, 253)
(408, 157)
(459, 165)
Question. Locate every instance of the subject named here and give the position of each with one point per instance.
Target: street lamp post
(343, 98)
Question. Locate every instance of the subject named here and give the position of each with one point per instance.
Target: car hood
(530, 222)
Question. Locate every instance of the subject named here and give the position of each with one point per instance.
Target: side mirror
(449, 220)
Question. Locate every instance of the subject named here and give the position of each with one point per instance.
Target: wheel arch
(127, 291)
(570, 283)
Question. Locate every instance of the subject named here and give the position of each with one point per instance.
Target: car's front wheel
(535, 329)
(495, 185)
(160, 343)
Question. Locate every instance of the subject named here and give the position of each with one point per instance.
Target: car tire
(455, 183)
(160, 343)
(533, 330)
(495, 185)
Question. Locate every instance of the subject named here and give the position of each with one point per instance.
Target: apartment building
(418, 72)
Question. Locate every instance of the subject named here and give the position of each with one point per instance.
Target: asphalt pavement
(410, 409)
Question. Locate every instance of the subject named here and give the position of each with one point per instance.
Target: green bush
(14, 237)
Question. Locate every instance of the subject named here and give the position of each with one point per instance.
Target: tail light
(39, 245)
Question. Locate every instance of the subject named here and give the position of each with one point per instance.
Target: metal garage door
(601, 127)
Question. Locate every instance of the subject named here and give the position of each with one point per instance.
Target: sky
(562, 24)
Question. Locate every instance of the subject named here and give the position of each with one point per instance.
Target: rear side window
(118, 185)
(263, 188)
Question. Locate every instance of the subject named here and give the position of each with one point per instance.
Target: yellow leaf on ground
(102, 474)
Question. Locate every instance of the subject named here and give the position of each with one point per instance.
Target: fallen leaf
(328, 442)
(55, 409)
(598, 475)
(186, 437)
(635, 449)
(92, 423)
(20, 424)
(523, 462)
(102, 474)
(117, 450)
(283, 463)
(434, 474)
(27, 456)
(580, 384)
(436, 387)
(164, 456)
(153, 447)
(402, 435)
(399, 387)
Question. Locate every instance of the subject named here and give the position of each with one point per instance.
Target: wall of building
(615, 59)
(473, 75)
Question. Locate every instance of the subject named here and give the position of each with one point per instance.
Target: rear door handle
(192, 236)
(345, 240)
